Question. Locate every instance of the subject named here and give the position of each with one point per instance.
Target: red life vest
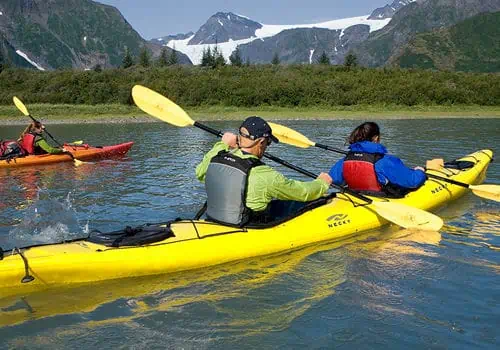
(28, 143)
(359, 171)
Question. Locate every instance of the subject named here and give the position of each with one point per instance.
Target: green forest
(309, 86)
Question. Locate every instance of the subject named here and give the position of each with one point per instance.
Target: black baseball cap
(257, 128)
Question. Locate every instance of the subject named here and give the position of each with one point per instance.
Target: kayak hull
(83, 153)
(198, 244)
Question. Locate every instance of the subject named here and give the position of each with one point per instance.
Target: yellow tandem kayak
(192, 244)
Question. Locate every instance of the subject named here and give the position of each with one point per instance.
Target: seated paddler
(32, 141)
(370, 169)
(241, 189)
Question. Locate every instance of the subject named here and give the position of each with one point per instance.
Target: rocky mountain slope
(69, 33)
(293, 43)
(389, 10)
(305, 45)
(418, 17)
(472, 45)
(224, 26)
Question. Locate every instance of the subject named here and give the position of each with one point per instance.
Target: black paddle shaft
(291, 166)
(328, 148)
(311, 175)
(45, 131)
(209, 129)
(52, 137)
(448, 180)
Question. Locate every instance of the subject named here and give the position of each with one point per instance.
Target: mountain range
(50, 34)
(260, 42)
(377, 39)
(54, 34)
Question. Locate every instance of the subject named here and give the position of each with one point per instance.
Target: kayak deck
(80, 152)
(195, 244)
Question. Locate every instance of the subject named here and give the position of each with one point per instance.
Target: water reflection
(308, 275)
(389, 288)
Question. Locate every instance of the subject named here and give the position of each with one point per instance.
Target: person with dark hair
(241, 189)
(32, 141)
(369, 169)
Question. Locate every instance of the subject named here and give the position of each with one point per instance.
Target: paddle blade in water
(290, 136)
(408, 217)
(487, 191)
(20, 106)
(160, 107)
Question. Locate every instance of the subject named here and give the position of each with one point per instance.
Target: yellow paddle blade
(77, 162)
(20, 106)
(290, 136)
(487, 191)
(79, 142)
(160, 107)
(408, 217)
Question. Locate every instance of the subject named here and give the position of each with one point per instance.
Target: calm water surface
(385, 289)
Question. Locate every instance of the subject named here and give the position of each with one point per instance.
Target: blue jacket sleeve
(336, 173)
(391, 169)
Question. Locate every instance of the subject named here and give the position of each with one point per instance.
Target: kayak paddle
(485, 191)
(293, 137)
(22, 107)
(162, 108)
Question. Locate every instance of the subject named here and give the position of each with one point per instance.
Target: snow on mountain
(23, 55)
(311, 53)
(195, 52)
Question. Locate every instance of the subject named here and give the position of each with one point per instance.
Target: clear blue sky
(155, 18)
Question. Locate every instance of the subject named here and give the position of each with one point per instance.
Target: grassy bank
(124, 113)
(294, 86)
(279, 92)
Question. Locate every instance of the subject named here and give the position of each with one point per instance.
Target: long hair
(29, 129)
(365, 132)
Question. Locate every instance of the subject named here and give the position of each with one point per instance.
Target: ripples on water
(390, 288)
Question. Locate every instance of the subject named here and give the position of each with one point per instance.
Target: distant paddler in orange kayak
(32, 140)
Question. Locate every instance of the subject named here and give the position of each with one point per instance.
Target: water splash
(46, 220)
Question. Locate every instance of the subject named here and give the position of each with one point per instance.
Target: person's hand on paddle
(230, 139)
(326, 178)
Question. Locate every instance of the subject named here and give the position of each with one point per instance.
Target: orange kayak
(80, 152)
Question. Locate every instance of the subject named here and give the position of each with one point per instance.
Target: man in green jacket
(240, 187)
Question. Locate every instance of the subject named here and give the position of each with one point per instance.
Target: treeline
(317, 85)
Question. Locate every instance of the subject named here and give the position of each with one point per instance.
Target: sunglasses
(253, 138)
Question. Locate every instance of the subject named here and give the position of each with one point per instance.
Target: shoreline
(121, 114)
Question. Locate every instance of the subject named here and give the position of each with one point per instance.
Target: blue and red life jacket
(359, 171)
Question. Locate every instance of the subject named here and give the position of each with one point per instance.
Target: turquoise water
(390, 288)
